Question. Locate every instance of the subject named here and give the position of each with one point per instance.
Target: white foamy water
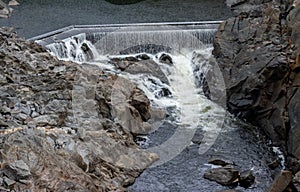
(280, 155)
(192, 109)
(75, 48)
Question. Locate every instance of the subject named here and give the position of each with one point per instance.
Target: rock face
(58, 129)
(258, 54)
(5, 9)
(281, 182)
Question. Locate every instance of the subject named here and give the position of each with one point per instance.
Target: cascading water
(188, 135)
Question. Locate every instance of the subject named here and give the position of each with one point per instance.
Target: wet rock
(274, 164)
(246, 179)
(232, 3)
(141, 103)
(296, 181)
(198, 138)
(281, 181)
(165, 58)
(143, 57)
(220, 162)
(134, 66)
(223, 175)
(257, 53)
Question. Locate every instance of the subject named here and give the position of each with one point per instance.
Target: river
(195, 129)
(35, 17)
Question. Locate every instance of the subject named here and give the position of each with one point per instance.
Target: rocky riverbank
(49, 140)
(258, 52)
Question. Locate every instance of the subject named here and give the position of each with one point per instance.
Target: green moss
(206, 109)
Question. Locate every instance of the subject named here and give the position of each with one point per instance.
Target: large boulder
(258, 54)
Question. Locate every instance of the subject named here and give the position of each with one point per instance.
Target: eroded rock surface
(258, 53)
(59, 131)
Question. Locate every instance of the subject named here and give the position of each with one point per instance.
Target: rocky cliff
(258, 52)
(57, 125)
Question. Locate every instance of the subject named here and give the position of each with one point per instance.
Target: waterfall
(189, 47)
(87, 43)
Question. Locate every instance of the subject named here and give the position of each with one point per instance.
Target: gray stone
(294, 132)
(260, 65)
(165, 58)
(17, 170)
(8, 182)
(143, 66)
(232, 3)
(38, 97)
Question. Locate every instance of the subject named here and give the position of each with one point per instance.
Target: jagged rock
(134, 66)
(246, 179)
(165, 58)
(294, 132)
(13, 3)
(281, 181)
(232, 3)
(59, 121)
(274, 164)
(258, 54)
(141, 103)
(8, 182)
(17, 170)
(143, 57)
(223, 175)
(5, 10)
(296, 181)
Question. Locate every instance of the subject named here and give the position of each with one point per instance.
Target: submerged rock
(223, 175)
(220, 162)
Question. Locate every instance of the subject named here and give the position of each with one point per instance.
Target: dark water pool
(35, 17)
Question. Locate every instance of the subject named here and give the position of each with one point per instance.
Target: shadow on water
(238, 143)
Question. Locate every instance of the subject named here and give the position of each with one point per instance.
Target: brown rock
(74, 140)
(223, 176)
(296, 181)
(281, 181)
